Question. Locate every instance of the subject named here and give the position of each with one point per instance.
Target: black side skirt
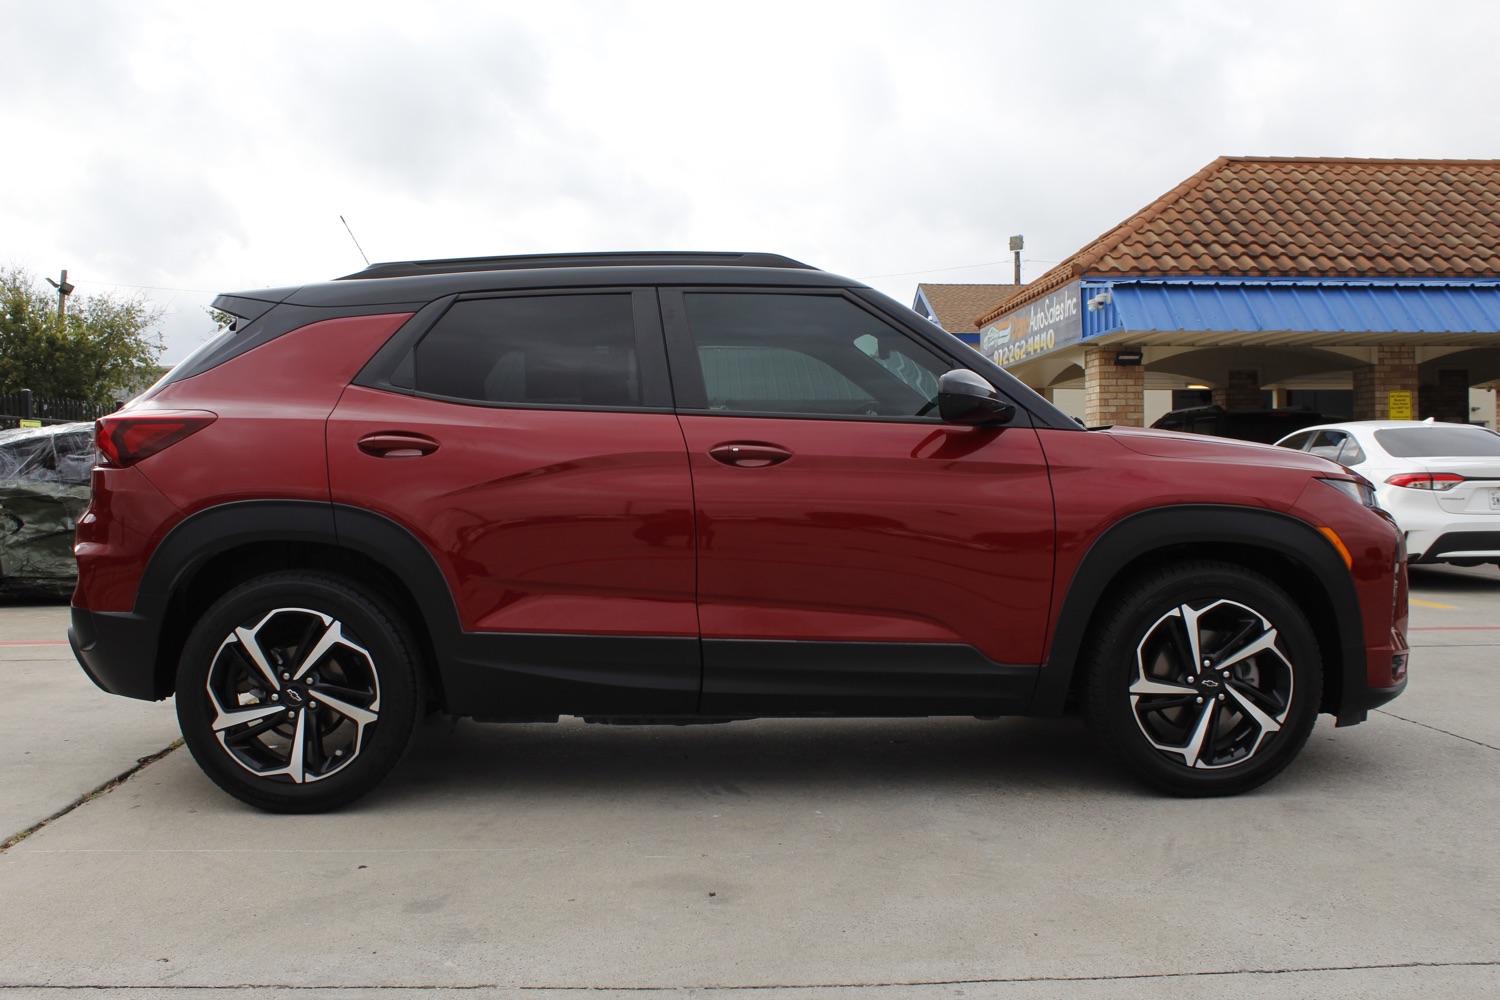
(769, 677)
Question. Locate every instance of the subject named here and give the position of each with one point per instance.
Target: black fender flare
(1292, 540)
(215, 530)
(190, 545)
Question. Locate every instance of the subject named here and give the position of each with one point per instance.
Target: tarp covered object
(44, 488)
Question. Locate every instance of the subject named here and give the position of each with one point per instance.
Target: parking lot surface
(769, 859)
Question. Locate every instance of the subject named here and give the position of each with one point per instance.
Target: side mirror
(967, 398)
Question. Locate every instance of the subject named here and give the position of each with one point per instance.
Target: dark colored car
(1265, 426)
(682, 488)
(44, 488)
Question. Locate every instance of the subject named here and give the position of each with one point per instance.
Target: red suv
(681, 488)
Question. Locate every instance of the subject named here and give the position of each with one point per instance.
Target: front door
(855, 553)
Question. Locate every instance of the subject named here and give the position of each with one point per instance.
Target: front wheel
(297, 692)
(1204, 678)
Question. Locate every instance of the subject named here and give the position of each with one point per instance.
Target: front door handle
(397, 444)
(749, 454)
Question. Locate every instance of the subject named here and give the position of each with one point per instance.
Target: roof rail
(406, 269)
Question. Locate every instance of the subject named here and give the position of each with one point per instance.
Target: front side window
(807, 355)
(548, 350)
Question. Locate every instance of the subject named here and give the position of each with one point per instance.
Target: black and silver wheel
(1205, 678)
(297, 692)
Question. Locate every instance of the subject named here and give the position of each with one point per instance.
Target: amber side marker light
(1338, 543)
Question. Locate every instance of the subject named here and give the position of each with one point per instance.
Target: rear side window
(1327, 444)
(1351, 453)
(548, 350)
(1447, 442)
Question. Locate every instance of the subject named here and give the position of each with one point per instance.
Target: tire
(297, 692)
(1189, 730)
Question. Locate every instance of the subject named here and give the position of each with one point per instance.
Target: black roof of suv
(432, 285)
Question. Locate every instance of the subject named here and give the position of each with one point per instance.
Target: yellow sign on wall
(1399, 404)
(29, 423)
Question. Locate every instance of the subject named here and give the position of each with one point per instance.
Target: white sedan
(1441, 482)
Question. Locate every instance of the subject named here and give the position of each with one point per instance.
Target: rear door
(528, 441)
(855, 553)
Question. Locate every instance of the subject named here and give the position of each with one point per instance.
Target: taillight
(1436, 481)
(125, 438)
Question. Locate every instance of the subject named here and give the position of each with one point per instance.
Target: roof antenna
(356, 241)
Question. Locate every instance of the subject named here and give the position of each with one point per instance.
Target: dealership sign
(1043, 326)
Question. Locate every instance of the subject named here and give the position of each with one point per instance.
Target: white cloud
(191, 147)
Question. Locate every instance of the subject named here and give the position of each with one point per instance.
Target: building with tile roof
(955, 307)
(1380, 276)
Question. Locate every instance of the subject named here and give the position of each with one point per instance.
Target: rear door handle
(397, 444)
(749, 454)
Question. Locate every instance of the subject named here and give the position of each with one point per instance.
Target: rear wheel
(297, 692)
(1204, 678)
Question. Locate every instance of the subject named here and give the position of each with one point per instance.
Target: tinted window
(809, 355)
(560, 350)
(1450, 442)
(1327, 444)
(1351, 453)
(1298, 441)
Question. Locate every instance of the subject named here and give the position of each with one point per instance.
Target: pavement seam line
(471, 987)
(141, 763)
(1466, 739)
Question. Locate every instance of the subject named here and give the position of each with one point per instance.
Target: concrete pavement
(60, 736)
(774, 859)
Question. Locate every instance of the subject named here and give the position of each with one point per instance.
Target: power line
(935, 270)
(148, 288)
(960, 267)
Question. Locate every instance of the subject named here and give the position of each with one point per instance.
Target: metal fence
(22, 405)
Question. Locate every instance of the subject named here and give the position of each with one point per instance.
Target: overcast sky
(176, 150)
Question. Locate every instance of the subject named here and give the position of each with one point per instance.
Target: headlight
(1358, 490)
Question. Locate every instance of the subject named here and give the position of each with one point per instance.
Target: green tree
(102, 346)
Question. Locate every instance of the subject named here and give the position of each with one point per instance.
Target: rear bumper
(1450, 544)
(117, 649)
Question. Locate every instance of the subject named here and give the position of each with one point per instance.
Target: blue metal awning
(1291, 305)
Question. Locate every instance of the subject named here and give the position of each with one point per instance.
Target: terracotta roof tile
(1303, 217)
(957, 305)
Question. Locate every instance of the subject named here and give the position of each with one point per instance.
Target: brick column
(1449, 398)
(1395, 369)
(1242, 391)
(1113, 394)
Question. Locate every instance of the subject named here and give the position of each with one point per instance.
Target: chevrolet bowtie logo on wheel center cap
(1209, 682)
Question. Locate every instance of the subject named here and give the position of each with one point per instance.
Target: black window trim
(687, 373)
(651, 356)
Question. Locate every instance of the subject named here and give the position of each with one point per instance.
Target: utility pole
(1016, 243)
(63, 291)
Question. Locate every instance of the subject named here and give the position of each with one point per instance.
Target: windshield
(1450, 442)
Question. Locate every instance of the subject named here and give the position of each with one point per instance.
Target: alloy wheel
(294, 696)
(1211, 685)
